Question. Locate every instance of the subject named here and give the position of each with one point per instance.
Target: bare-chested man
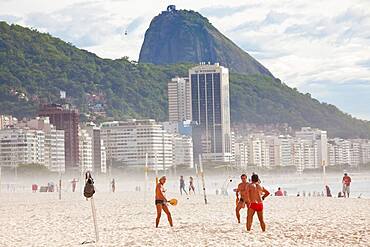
(255, 195)
(161, 202)
(241, 195)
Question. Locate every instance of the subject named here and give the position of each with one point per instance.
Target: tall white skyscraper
(210, 110)
(179, 99)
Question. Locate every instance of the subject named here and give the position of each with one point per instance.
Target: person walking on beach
(191, 185)
(241, 196)
(161, 201)
(113, 183)
(255, 195)
(182, 185)
(74, 183)
(346, 181)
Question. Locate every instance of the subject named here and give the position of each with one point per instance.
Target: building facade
(319, 145)
(210, 110)
(85, 151)
(98, 149)
(67, 119)
(21, 146)
(182, 149)
(128, 142)
(179, 99)
(54, 153)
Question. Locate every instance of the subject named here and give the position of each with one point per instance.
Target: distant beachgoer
(161, 201)
(182, 185)
(255, 195)
(346, 181)
(113, 183)
(74, 183)
(298, 194)
(279, 192)
(328, 192)
(34, 187)
(191, 185)
(241, 195)
(304, 193)
(285, 193)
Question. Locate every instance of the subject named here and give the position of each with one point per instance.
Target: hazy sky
(320, 47)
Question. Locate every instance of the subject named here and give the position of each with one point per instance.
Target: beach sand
(124, 219)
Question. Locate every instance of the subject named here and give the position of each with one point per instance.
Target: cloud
(364, 63)
(222, 10)
(82, 25)
(10, 18)
(135, 24)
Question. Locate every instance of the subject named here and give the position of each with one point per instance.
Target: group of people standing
(248, 194)
(251, 195)
(191, 185)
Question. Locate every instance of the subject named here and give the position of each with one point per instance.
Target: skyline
(319, 48)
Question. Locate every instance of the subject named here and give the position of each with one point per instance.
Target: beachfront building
(21, 146)
(344, 152)
(98, 150)
(85, 151)
(316, 141)
(7, 121)
(66, 118)
(298, 155)
(258, 152)
(128, 142)
(182, 151)
(241, 154)
(273, 147)
(365, 152)
(210, 111)
(179, 99)
(54, 157)
(286, 150)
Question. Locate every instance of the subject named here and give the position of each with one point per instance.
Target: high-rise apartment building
(128, 142)
(319, 144)
(179, 99)
(67, 119)
(210, 110)
(182, 151)
(241, 153)
(21, 146)
(258, 151)
(85, 151)
(286, 151)
(54, 157)
(98, 149)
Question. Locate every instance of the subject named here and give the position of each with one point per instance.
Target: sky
(318, 47)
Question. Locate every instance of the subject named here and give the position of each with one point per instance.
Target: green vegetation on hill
(34, 67)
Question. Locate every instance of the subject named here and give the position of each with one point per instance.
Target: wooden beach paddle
(173, 202)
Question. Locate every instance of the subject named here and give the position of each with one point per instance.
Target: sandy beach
(124, 219)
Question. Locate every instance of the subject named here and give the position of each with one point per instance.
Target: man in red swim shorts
(256, 194)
